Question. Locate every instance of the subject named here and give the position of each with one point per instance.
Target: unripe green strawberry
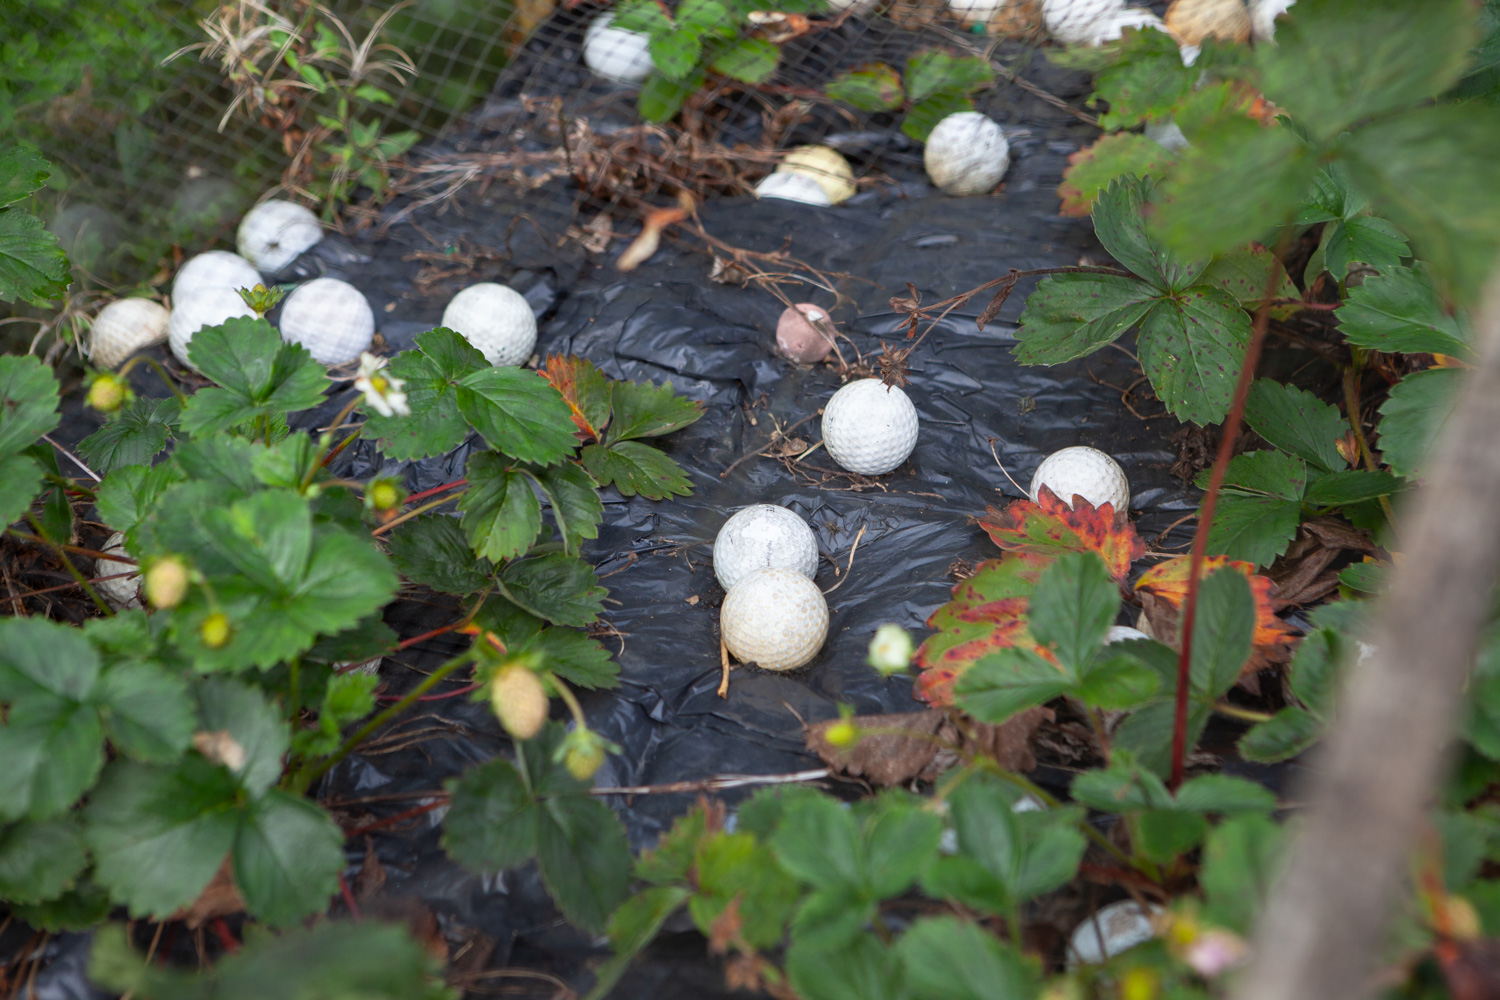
(167, 582)
(215, 630)
(584, 758)
(520, 701)
(841, 734)
(383, 494)
(107, 393)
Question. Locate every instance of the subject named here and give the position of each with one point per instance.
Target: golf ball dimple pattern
(764, 536)
(869, 428)
(122, 592)
(274, 233)
(215, 269)
(496, 319)
(209, 307)
(616, 54)
(966, 154)
(774, 618)
(330, 318)
(124, 327)
(793, 187)
(1086, 472)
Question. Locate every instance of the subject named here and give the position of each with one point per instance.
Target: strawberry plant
(936, 85)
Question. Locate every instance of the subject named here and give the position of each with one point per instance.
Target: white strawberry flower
(382, 392)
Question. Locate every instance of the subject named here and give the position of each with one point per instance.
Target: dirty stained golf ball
(1114, 929)
(764, 536)
(1086, 472)
(274, 233)
(209, 307)
(124, 327)
(793, 187)
(799, 333)
(869, 428)
(615, 53)
(774, 618)
(966, 154)
(214, 269)
(496, 319)
(330, 318)
(825, 166)
(123, 591)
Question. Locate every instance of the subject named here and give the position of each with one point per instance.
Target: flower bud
(841, 734)
(261, 299)
(519, 700)
(584, 759)
(890, 649)
(383, 494)
(215, 630)
(108, 392)
(167, 582)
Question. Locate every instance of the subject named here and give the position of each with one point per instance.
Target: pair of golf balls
(774, 616)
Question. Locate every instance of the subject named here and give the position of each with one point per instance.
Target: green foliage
(937, 84)
(32, 267)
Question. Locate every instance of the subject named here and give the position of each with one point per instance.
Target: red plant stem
(225, 938)
(400, 817)
(436, 490)
(1227, 438)
(440, 630)
(433, 697)
(348, 898)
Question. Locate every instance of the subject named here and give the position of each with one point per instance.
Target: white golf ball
(793, 187)
(274, 233)
(869, 427)
(976, 11)
(616, 54)
(1263, 15)
(1114, 929)
(1093, 22)
(124, 591)
(774, 618)
(824, 165)
(124, 327)
(209, 307)
(330, 318)
(1086, 472)
(496, 319)
(1123, 633)
(215, 269)
(966, 154)
(764, 536)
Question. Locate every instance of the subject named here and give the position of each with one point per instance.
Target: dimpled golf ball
(798, 335)
(774, 618)
(869, 427)
(1115, 928)
(793, 187)
(124, 327)
(123, 591)
(1093, 22)
(824, 165)
(330, 318)
(1086, 472)
(209, 307)
(274, 233)
(215, 269)
(1123, 633)
(496, 319)
(966, 154)
(764, 536)
(616, 54)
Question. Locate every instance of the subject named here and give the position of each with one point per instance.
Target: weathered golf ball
(966, 154)
(831, 171)
(330, 318)
(1263, 15)
(798, 335)
(124, 327)
(1114, 929)
(274, 233)
(764, 536)
(209, 307)
(215, 269)
(496, 319)
(616, 54)
(1085, 472)
(1093, 22)
(1123, 633)
(869, 427)
(976, 11)
(774, 618)
(793, 187)
(1191, 21)
(123, 591)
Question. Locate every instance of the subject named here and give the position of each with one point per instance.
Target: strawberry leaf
(432, 371)
(584, 388)
(1050, 527)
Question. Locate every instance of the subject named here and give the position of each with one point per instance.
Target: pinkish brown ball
(798, 336)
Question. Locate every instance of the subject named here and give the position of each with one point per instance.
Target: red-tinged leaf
(1090, 170)
(1163, 589)
(1050, 527)
(585, 389)
(988, 612)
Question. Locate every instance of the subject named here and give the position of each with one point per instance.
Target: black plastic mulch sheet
(667, 322)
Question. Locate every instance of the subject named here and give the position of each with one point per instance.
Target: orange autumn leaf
(585, 390)
(1163, 589)
(1050, 527)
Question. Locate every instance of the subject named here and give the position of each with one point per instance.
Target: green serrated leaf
(868, 87)
(1253, 528)
(901, 838)
(736, 869)
(574, 497)
(82, 908)
(1337, 488)
(946, 958)
(1111, 157)
(661, 98)
(1240, 862)
(1192, 346)
(493, 820)
(575, 657)
(867, 969)
(1120, 224)
(501, 516)
(287, 857)
(1224, 794)
(1117, 683)
(934, 71)
(53, 748)
(1285, 735)
(1146, 79)
(1399, 310)
(1413, 414)
(40, 861)
(1266, 472)
(1001, 684)
(517, 412)
(675, 53)
(584, 857)
(1296, 421)
(22, 171)
(252, 722)
(926, 113)
(134, 436)
(1363, 238)
(147, 711)
(749, 60)
(644, 410)
(631, 928)
(20, 481)
(257, 372)
(1222, 633)
(1247, 273)
(432, 550)
(129, 492)
(28, 400)
(1071, 315)
(819, 842)
(42, 659)
(559, 588)
(641, 16)
(1121, 788)
(32, 266)
(432, 371)
(632, 467)
(1072, 607)
(1164, 834)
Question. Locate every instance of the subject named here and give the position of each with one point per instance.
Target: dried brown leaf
(891, 750)
(220, 898)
